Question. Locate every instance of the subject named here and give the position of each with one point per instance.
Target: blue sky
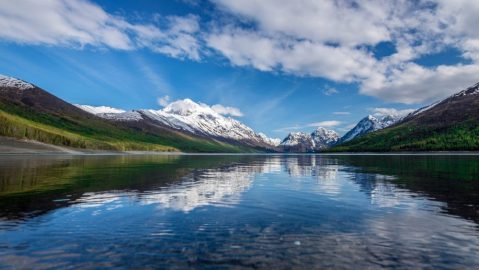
(285, 65)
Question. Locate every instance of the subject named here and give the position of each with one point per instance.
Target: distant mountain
(29, 112)
(318, 140)
(192, 118)
(447, 125)
(298, 142)
(369, 124)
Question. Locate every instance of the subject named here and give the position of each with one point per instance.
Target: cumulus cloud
(81, 23)
(163, 101)
(225, 110)
(303, 58)
(320, 21)
(413, 83)
(332, 40)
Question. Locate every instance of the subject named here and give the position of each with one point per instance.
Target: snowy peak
(271, 141)
(189, 116)
(324, 137)
(295, 138)
(6, 81)
(369, 124)
(298, 142)
(319, 139)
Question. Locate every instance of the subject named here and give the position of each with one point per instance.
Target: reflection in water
(203, 188)
(249, 211)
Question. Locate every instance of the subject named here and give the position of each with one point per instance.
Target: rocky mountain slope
(448, 125)
(369, 124)
(192, 118)
(29, 112)
(318, 140)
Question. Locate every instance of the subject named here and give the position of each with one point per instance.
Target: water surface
(265, 211)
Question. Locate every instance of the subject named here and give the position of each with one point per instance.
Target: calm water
(264, 211)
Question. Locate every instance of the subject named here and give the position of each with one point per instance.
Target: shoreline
(21, 147)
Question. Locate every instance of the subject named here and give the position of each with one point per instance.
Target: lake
(239, 211)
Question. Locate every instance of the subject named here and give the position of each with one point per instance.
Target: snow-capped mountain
(324, 138)
(187, 115)
(318, 140)
(6, 81)
(369, 124)
(298, 142)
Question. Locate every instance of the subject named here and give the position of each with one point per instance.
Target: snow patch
(111, 113)
(6, 81)
(99, 109)
(124, 116)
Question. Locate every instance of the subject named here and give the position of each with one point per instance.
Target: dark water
(273, 212)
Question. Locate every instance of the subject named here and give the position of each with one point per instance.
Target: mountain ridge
(320, 139)
(369, 124)
(451, 124)
(188, 116)
(29, 112)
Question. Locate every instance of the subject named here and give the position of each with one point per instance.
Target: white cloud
(319, 21)
(391, 111)
(328, 91)
(341, 113)
(328, 39)
(80, 23)
(331, 39)
(224, 110)
(414, 84)
(180, 40)
(326, 124)
(303, 58)
(163, 101)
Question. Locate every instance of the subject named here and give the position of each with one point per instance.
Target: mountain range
(318, 140)
(29, 112)
(189, 117)
(323, 139)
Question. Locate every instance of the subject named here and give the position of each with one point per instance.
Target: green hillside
(449, 125)
(89, 132)
(411, 137)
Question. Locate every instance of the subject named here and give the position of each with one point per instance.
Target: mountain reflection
(34, 186)
(311, 166)
(219, 187)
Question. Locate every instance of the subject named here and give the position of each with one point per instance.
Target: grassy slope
(411, 137)
(93, 133)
